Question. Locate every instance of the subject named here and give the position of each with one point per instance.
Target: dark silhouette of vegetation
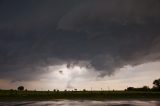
(84, 90)
(144, 88)
(156, 84)
(130, 93)
(20, 88)
(130, 89)
(156, 87)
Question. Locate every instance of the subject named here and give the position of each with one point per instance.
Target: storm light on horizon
(79, 44)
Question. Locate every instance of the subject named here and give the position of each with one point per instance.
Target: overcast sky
(67, 44)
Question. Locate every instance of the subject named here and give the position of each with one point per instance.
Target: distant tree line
(144, 88)
(156, 87)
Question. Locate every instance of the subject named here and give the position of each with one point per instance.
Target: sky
(82, 44)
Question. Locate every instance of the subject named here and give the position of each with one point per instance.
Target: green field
(7, 95)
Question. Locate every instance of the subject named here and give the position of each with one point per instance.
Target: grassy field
(7, 95)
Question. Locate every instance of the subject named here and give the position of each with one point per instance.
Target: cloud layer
(96, 34)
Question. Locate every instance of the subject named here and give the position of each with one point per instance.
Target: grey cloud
(102, 35)
(110, 12)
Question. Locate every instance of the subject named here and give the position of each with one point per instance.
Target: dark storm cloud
(100, 34)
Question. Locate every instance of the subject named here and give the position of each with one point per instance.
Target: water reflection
(82, 103)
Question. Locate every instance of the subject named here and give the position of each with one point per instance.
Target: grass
(8, 95)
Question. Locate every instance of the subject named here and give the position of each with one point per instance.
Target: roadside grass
(7, 95)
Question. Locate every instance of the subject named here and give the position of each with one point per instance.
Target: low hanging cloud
(97, 34)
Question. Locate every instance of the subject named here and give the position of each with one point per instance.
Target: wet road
(82, 103)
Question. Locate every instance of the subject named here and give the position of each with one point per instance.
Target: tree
(145, 88)
(130, 88)
(20, 88)
(157, 83)
(54, 90)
